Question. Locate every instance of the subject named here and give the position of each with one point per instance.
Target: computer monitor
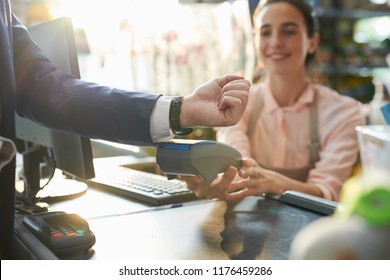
(70, 153)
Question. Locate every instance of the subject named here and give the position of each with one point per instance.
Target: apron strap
(315, 145)
(257, 108)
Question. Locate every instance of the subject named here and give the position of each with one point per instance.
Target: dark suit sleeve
(59, 100)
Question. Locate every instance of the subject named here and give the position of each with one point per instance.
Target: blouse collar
(304, 99)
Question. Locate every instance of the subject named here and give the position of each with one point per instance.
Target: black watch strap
(174, 117)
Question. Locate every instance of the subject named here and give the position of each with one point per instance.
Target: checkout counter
(254, 228)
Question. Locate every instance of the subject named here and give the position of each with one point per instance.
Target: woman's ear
(314, 41)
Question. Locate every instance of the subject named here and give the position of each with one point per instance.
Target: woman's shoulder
(255, 92)
(329, 95)
(333, 104)
(258, 87)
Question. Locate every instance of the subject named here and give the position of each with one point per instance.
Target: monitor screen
(70, 153)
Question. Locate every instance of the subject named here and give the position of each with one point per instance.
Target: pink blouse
(282, 135)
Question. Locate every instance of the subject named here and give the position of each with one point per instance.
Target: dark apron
(299, 174)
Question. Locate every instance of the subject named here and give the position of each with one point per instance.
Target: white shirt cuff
(159, 120)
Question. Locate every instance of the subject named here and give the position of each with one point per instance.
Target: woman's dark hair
(307, 13)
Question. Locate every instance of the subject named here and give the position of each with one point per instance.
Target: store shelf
(348, 66)
(349, 14)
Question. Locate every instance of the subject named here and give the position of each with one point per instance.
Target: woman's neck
(287, 89)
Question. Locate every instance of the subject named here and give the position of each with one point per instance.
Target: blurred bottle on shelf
(375, 115)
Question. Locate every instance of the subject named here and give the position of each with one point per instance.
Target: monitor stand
(58, 187)
(61, 189)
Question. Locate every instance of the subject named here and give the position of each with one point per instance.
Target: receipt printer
(203, 158)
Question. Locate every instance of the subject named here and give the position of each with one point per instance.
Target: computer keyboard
(147, 187)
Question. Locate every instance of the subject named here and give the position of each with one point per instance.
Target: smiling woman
(295, 134)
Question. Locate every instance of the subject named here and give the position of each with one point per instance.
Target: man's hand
(219, 102)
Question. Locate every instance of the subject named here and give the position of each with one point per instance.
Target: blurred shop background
(172, 46)
(167, 46)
